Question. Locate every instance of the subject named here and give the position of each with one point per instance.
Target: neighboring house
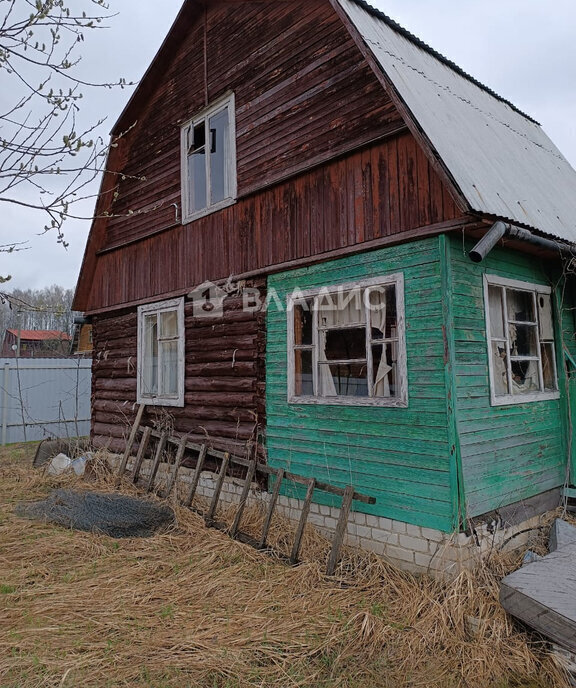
(317, 152)
(35, 344)
(82, 340)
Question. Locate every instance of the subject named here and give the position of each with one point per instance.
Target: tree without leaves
(46, 163)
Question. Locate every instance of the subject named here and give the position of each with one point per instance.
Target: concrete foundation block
(417, 544)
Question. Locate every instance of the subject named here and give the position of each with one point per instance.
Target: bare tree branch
(46, 161)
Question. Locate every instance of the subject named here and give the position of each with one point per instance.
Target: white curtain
(327, 386)
(500, 372)
(531, 381)
(344, 314)
(336, 311)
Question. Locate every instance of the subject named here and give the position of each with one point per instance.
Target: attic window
(520, 341)
(347, 344)
(209, 160)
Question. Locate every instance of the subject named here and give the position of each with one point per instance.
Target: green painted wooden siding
(400, 455)
(508, 453)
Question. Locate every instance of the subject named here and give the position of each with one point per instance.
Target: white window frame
(399, 401)
(535, 289)
(187, 215)
(161, 399)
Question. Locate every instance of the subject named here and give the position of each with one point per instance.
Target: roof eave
(176, 33)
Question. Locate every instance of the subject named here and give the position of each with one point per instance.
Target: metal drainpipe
(501, 229)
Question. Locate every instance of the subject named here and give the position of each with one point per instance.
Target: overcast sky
(522, 49)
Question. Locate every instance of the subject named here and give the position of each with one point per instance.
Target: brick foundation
(412, 548)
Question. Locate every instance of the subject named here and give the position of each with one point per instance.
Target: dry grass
(191, 607)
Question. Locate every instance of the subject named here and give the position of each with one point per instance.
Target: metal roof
(39, 335)
(500, 159)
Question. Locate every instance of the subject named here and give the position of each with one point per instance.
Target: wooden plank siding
(224, 378)
(399, 455)
(513, 452)
(344, 203)
(324, 160)
(303, 93)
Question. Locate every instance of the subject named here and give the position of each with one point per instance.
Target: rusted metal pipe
(501, 229)
(488, 241)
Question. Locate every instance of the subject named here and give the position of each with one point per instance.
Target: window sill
(208, 211)
(349, 401)
(518, 399)
(159, 401)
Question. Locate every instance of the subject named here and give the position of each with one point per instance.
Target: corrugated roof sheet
(40, 335)
(501, 160)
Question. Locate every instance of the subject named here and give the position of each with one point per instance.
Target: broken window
(161, 353)
(348, 344)
(521, 341)
(209, 160)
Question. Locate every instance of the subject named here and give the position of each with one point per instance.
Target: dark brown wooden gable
(324, 159)
(376, 195)
(303, 94)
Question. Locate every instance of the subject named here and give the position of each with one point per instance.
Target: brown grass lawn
(191, 607)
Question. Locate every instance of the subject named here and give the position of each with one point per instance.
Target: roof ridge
(374, 11)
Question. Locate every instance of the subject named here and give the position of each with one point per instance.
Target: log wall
(225, 378)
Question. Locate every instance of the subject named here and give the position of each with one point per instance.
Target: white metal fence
(44, 397)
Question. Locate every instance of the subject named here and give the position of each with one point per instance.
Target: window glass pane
(197, 181)
(343, 379)
(525, 378)
(545, 316)
(528, 338)
(384, 370)
(523, 340)
(520, 305)
(197, 168)
(303, 324)
(548, 368)
(303, 383)
(382, 306)
(499, 369)
(341, 309)
(169, 370)
(169, 324)
(219, 156)
(150, 363)
(495, 312)
(344, 344)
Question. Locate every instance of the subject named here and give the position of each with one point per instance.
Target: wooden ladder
(252, 468)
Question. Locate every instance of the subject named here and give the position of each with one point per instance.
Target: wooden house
(35, 343)
(316, 158)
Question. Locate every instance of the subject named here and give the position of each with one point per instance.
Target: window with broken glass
(209, 160)
(520, 330)
(161, 353)
(347, 345)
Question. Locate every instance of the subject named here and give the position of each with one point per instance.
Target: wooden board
(399, 455)
(543, 596)
(513, 452)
